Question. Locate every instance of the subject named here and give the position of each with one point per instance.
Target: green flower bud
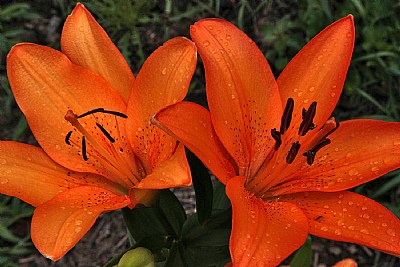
(138, 257)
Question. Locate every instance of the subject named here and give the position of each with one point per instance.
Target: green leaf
(143, 222)
(203, 188)
(172, 211)
(220, 199)
(175, 258)
(303, 256)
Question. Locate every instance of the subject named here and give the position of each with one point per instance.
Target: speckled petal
(58, 224)
(349, 217)
(263, 233)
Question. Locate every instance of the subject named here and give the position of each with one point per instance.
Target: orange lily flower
(92, 119)
(346, 263)
(284, 161)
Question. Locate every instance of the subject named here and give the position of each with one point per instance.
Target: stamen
(294, 149)
(102, 110)
(67, 137)
(308, 116)
(287, 115)
(84, 155)
(310, 154)
(104, 131)
(277, 137)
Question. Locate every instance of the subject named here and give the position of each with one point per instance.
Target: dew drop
(210, 28)
(350, 203)
(4, 181)
(353, 172)
(206, 43)
(384, 224)
(78, 229)
(164, 71)
(324, 228)
(311, 89)
(58, 147)
(365, 216)
(351, 227)
(294, 209)
(391, 232)
(338, 232)
(233, 96)
(364, 231)
(333, 94)
(300, 94)
(364, 208)
(374, 169)
(226, 122)
(228, 37)
(248, 236)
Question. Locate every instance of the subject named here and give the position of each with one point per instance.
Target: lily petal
(28, 173)
(86, 44)
(241, 90)
(191, 124)
(163, 80)
(58, 224)
(46, 85)
(317, 73)
(262, 232)
(173, 172)
(350, 217)
(360, 151)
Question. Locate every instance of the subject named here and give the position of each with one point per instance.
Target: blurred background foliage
(280, 28)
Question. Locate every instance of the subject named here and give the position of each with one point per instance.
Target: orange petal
(46, 85)
(360, 151)
(58, 224)
(86, 44)
(318, 71)
(262, 232)
(241, 91)
(191, 124)
(28, 173)
(346, 263)
(349, 217)
(173, 172)
(163, 80)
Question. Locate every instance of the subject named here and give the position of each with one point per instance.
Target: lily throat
(297, 142)
(98, 136)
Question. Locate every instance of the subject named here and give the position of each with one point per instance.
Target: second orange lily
(284, 160)
(92, 119)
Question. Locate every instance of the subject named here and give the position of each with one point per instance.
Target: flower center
(275, 169)
(101, 142)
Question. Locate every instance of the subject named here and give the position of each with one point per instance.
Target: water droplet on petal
(206, 43)
(312, 88)
(391, 232)
(58, 147)
(364, 231)
(4, 181)
(164, 71)
(78, 229)
(353, 172)
(338, 232)
(233, 96)
(384, 224)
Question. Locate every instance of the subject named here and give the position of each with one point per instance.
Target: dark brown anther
(287, 115)
(310, 154)
(67, 137)
(277, 137)
(308, 116)
(104, 131)
(292, 152)
(84, 155)
(102, 110)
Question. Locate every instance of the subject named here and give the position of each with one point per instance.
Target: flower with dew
(91, 117)
(285, 161)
